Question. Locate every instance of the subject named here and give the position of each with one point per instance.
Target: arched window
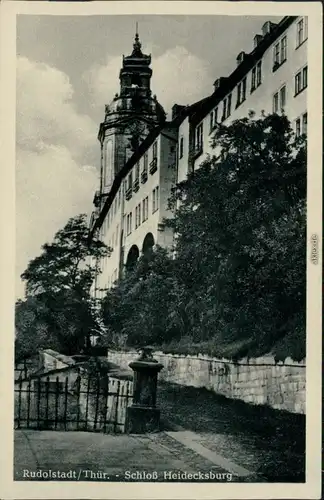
(148, 243)
(132, 258)
(136, 80)
(108, 164)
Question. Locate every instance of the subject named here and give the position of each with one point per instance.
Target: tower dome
(135, 96)
(130, 116)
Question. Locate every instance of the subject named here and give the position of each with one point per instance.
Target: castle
(143, 155)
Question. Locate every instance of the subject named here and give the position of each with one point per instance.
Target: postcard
(161, 278)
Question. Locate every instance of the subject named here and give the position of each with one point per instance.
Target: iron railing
(88, 403)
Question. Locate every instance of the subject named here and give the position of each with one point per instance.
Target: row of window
(280, 53)
(227, 102)
(279, 57)
(141, 211)
(134, 184)
(278, 104)
(280, 48)
(280, 97)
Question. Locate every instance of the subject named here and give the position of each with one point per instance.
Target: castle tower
(128, 118)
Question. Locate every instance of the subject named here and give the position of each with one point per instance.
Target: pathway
(203, 434)
(88, 456)
(261, 440)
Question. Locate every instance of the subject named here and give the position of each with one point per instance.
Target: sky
(67, 70)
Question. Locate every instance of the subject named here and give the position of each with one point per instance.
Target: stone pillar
(143, 416)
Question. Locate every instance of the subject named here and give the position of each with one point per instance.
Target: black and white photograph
(162, 247)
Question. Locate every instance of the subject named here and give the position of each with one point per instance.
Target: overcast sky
(67, 70)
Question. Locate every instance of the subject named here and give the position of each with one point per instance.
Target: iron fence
(91, 403)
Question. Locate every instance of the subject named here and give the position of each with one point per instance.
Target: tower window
(136, 81)
(108, 164)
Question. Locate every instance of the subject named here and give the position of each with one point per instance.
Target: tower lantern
(129, 117)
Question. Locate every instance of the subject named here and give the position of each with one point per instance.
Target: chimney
(176, 110)
(256, 40)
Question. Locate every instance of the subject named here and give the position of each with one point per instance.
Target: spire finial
(137, 44)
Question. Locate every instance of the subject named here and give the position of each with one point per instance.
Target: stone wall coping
(262, 361)
(43, 374)
(60, 357)
(120, 375)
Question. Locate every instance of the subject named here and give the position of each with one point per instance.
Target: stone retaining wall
(257, 381)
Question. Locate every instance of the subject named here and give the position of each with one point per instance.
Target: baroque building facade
(143, 155)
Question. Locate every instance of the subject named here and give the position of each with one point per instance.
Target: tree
(68, 263)
(241, 237)
(32, 329)
(138, 309)
(59, 282)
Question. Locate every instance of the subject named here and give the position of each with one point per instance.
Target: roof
(229, 83)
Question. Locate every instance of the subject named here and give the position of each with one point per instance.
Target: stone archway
(132, 257)
(148, 244)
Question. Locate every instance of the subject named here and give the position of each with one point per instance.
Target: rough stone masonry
(260, 381)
